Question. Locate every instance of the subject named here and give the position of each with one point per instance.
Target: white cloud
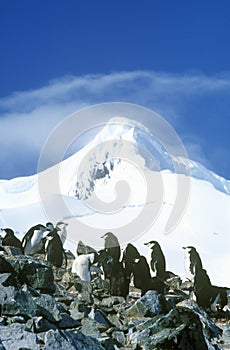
(28, 117)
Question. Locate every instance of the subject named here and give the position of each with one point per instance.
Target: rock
(90, 328)
(179, 329)
(1, 346)
(119, 337)
(84, 290)
(17, 319)
(100, 317)
(3, 321)
(5, 266)
(173, 283)
(70, 340)
(67, 322)
(8, 279)
(75, 312)
(13, 251)
(38, 325)
(114, 319)
(48, 308)
(107, 343)
(150, 304)
(15, 302)
(211, 331)
(33, 272)
(110, 301)
(14, 337)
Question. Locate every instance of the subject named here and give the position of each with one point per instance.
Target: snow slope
(105, 187)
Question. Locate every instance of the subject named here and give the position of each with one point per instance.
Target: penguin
(142, 277)
(81, 266)
(156, 259)
(141, 274)
(106, 262)
(84, 249)
(207, 295)
(112, 246)
(192, 262)
(119, 283)
(32, 240)
(129, 255)
(62, 230)
(9, 239)
(54, 250)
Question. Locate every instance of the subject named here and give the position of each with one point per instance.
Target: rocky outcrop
(42, 308)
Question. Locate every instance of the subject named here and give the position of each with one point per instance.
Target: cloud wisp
(28, 117)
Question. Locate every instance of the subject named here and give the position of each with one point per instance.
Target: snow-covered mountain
(125, 181)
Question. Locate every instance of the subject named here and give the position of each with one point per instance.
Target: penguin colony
(132, 268)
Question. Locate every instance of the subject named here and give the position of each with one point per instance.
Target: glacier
(104, 187)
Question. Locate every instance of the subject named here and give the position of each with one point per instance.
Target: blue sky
(170, 56)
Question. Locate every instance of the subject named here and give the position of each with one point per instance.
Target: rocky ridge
(46, 308)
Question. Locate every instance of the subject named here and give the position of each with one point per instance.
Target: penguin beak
(146, 243)
(183, 247)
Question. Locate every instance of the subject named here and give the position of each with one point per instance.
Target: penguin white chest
(81, 267)
(188, 266)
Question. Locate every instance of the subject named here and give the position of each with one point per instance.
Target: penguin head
(61, 225)
(152, 244)
(50, 226)
(189, 249)
(6, 232)
(108, 235)
(110, 240)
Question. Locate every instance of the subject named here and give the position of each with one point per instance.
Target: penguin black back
(54, 249)
(112, 246)
(129, 255)
(10, 239)
(141, 274)
(119, 283)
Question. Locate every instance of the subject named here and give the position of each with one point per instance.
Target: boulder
(32, 271)
(70, 340)
(14, 336)
(15, 302)
(211, 331)
(48, 308)
(38, 325)
(179, 329)
(150, 304)
(90, 328)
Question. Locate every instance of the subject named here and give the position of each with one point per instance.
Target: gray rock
(210, 330)
(67, 322)
(179, 329)
(33, 272)
(150, 304)
(5, 266)
(17, 319)
(70, 340)
(14, 337)
(3, 321)
(84, 290)
(15, 302)
(13, 251)
(74, 310)
(107, 343)
(48, 308)
(90, 328)
(119, 337)
(38, 325)
(8, 279)
(1, 346)
(110, 301)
